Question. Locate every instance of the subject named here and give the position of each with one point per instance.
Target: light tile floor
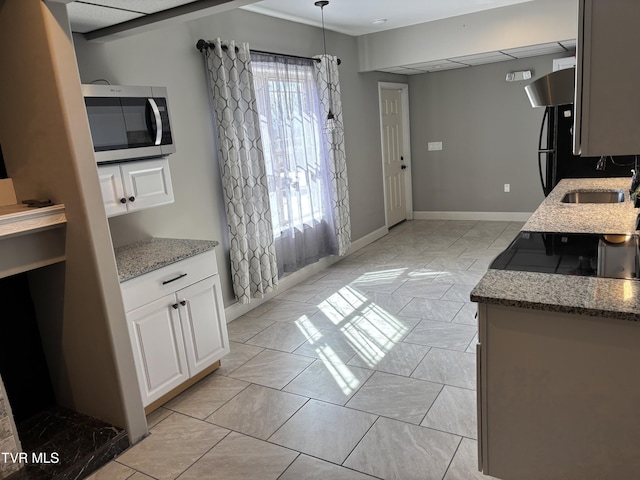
(366, 370)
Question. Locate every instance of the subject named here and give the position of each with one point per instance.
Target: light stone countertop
(143, 257)
(604, 218)
(592, 296)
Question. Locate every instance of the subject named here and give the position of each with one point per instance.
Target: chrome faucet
(602, 163)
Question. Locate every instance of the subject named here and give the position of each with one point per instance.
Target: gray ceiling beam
(182, 13)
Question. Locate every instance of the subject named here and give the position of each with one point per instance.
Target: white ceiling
(352, 17)
(356, 17)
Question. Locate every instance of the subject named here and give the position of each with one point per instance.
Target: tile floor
(366, 370)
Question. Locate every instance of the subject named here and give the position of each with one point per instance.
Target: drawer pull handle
(183, 302)
(175, 306)
(132, 199)
(174, 279)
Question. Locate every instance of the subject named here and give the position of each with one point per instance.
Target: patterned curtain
(253, 259)
(329, 92)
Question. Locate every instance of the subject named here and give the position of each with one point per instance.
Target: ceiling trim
(183, 13)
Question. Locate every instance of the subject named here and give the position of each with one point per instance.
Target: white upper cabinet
(607, 120)
(131, 186)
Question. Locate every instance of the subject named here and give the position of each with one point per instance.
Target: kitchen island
(558, 389)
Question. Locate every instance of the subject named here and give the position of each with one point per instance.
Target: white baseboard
(367, 239)
(486, 216)
(238, 309)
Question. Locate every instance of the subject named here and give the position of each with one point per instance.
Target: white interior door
(393, 156)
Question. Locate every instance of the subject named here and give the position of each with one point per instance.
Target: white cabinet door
(112, 189)
(203, 325)
(147, 183)
(158, 348)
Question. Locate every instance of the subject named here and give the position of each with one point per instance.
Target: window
(295, 157)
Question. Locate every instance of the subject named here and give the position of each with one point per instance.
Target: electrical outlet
(507, 187)
(431, 146)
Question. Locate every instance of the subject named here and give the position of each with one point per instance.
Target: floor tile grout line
(360, 441)
(431, 406)
(289, 466)
(452, 457)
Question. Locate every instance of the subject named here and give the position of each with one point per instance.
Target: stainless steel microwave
(128, 122)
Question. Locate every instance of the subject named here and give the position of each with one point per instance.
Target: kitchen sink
(591, 196)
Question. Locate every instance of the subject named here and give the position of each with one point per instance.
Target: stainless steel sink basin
(590, 196)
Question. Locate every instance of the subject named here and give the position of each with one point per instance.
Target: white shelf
(20, 219)
(31, 238)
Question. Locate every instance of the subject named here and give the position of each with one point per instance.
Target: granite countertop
(592, 296)
(604, 218)
(143, 257)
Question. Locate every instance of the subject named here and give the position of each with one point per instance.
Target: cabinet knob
(132, 199)
(183, 302)
(123, 200)
(175, 306)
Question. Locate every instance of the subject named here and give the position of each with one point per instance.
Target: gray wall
(489, 132)
(168, 57)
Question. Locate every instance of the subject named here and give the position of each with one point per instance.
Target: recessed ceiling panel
(436, 65)
(483, 58)
(85, 18)
(447, 66)
(533, 50)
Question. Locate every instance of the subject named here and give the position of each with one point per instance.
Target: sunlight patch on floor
(342, 304)
(306, 326)
(369, 328)
(340, 372)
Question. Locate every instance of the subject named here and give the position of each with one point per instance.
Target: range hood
(557, 88)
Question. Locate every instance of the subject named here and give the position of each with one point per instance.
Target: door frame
(406, 144)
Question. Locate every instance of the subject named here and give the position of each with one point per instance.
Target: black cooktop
(568, 254)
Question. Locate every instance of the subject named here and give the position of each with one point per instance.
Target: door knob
(175, 306)
(123, 200)
(403, 167)
(183, 302)
(132, 199)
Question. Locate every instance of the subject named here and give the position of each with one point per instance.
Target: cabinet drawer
(153, 285)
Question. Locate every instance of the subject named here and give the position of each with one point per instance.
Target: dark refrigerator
(555, 153)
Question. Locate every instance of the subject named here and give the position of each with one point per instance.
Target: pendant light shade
(330, 124)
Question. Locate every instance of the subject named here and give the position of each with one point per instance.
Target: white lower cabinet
(205, 342)
(131, 186)
(158, 347)
(178, 334)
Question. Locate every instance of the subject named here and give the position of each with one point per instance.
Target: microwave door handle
(156, 114)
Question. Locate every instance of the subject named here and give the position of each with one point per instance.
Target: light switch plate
(432, 146)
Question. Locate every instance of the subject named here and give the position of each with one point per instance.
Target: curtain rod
(203, 44)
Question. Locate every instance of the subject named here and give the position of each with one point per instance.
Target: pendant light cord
(324, 36)
(330, 114)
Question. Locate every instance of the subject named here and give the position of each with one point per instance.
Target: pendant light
(331, 124)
